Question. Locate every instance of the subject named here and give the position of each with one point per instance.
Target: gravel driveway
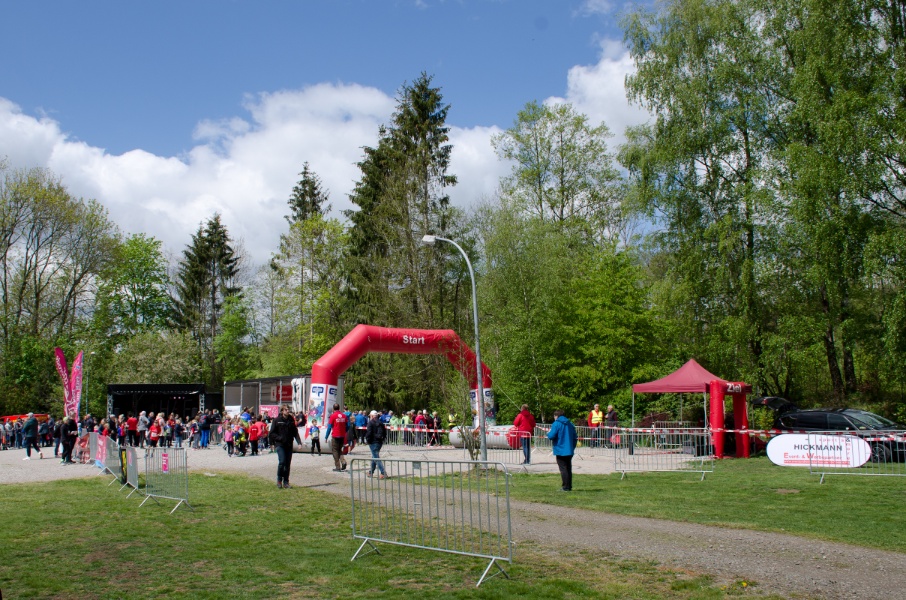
(781, 564)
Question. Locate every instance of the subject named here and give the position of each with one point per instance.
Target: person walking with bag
(375, 436)
(283, 432)
(563, 436)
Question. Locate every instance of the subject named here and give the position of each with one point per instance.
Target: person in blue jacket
(563, 436)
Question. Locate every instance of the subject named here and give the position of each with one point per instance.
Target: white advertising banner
(818, 450)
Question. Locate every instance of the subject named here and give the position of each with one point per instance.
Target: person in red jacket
(336, 431)
(132, 429)
(525, 425)
(154, 433)
(256, 432)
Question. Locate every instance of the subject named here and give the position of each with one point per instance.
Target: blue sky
(170, 111)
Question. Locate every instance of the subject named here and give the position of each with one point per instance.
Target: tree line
(755, 224)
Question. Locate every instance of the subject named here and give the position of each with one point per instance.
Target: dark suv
(790, 417)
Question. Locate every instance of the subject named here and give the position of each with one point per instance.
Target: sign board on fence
(164, 463)
(273, 410)
(801, 450)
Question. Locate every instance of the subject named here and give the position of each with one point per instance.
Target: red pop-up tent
(691, 378)
(694, 378)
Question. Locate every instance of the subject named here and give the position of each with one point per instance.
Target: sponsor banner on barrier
(272, 410)
(100, 453)
(165, 463)
(801, 450)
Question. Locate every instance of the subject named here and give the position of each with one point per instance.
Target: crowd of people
(248, 434)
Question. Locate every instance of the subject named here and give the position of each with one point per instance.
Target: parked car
(790, 417)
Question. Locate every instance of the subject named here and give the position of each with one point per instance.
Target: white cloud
(245, 167)
(598, 91)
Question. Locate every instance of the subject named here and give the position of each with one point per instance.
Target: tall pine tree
(206, 276)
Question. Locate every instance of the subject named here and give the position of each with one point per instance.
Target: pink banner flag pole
(63, 370)
(75, 383)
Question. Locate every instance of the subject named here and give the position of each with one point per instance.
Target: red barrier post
(716, 419)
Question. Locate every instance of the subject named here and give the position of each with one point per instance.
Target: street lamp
(429, 240)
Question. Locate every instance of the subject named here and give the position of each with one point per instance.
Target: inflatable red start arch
(326, 371)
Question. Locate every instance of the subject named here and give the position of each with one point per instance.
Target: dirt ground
(782, 564)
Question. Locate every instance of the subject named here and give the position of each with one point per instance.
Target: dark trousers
(527, 449)
(31, 442)
(316, 442)
(67, 451)
(565, 463)
(254, 447)
(284, 460)
(336, 448)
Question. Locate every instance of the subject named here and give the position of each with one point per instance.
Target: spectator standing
(283, 432)
(314, 434)
(179, 432)
(351, 433)
(42, 434)
(396, 423)
(142, 428)
(154, 433)
(132, 429)
(69, 434)
(228, 439)
(420, 428)
(30, 435)
(375, 435)
(429, 425)
(57, 437)
(336, 431)
(204, 427)
(611, 422)
(563, 436)
(525, 429)
(361, 426)
(595, 421)
(407, 428)
(256, 432)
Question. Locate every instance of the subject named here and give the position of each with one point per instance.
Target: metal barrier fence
(540, 443)
(460, 507)
(113, 462)
(596, 441)
(867, 453)
(413, 439)
(674, 450)
(502, 447)
(131, 467)
(167, 476)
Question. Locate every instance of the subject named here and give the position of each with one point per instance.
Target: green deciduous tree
(562, 170)
(52, 249)
(133, 290)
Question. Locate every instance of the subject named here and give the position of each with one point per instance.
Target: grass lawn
(247, 539)
(749, 494)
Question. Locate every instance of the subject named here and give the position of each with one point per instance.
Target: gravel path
(781, 564)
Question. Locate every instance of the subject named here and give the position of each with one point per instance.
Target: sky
(168, 112)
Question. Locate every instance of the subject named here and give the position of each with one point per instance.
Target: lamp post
(429, 240)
